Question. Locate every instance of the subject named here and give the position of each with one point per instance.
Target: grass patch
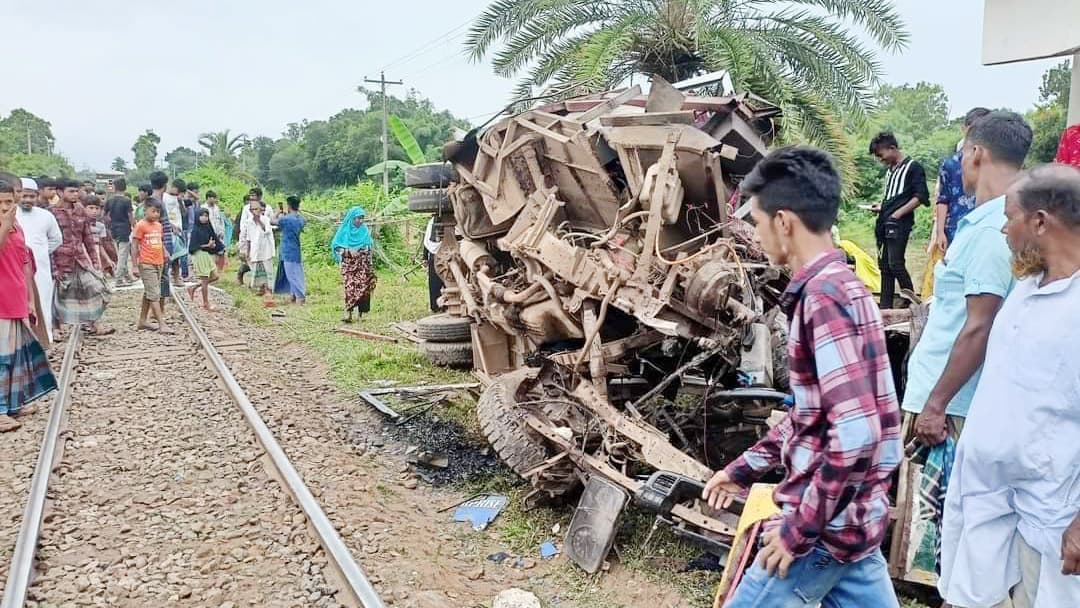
(354, 362)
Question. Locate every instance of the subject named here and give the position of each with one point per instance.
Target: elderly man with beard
(42, 237)
(1011, 535)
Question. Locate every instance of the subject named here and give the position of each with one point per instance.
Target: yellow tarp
(866, 267)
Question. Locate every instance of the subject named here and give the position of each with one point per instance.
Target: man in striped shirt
(905, 190)
(840, 443)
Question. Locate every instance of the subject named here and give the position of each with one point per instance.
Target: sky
(102, 72)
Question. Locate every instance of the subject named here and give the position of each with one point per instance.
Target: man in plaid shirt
(841, 442)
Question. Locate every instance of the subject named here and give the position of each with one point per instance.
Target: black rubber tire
(502, 423)
(444, 328)
(432, 175)
(448, 354)
(433, 201)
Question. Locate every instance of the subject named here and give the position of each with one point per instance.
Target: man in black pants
(905, 190)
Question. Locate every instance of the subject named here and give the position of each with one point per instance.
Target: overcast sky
(103, 71)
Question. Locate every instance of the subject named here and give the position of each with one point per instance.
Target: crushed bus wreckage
(616, 305)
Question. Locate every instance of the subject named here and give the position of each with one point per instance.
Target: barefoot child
(203, 245)
(150, 255)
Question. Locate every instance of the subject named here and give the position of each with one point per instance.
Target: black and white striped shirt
(903, 182)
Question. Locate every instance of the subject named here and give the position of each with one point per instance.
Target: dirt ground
(392, 519)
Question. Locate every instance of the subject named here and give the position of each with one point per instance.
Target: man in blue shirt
(952, 202)
(969, 284)
(290, 274)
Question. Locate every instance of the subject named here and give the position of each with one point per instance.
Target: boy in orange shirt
(150, 256)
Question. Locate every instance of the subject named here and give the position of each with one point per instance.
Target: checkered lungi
(24, 369)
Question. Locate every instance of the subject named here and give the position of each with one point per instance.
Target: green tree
(1056, 83)
(23, 132)
(222, 148)
(38, 164)
(800, 54)
(262, 149)
(145, 150)
(181, 160)
(119, 164)
(1048, 118)
(288, 169)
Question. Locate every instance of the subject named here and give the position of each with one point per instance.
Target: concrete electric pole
(382, 82)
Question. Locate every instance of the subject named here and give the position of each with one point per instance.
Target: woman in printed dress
(352, 250)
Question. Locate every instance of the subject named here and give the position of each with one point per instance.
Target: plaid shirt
(80, 245)
(841, 442)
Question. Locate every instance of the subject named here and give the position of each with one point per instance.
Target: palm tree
(799, 54)
(221, 148)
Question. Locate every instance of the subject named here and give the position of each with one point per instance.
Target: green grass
(354, 362)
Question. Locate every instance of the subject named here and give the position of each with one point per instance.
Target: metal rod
(359, 587)
(22, 561)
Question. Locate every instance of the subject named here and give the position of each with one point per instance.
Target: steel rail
(22, 561)
(359, 587)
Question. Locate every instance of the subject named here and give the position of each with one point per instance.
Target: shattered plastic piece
(481, 510)
(499, 557)
(548, 550)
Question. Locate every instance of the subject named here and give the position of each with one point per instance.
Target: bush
(323, 212)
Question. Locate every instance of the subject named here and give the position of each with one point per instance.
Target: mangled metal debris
(620, 311)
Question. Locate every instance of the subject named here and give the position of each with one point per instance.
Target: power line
(424, 48)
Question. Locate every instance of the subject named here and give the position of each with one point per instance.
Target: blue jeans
(817, 578)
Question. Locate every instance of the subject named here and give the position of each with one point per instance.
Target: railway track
(148, 488)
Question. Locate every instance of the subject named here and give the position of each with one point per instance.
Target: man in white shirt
(42, 237)
(256, 247)
(1011, 532)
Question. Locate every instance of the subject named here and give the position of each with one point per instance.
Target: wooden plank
(365, 335)
(653, 119)
(562, 139)
(609, 105)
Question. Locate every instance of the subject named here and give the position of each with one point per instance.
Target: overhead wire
(427, 46)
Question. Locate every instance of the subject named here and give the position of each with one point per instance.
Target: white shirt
(172, 209)
(268, 213)
(260, 240)
(217, 219)
(42, 237)
(1017, 468)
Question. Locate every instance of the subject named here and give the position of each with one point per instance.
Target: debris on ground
(548, 550)
(481, 511)
(516, 598)
(365, 335)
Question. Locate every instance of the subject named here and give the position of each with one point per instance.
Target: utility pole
(382, 82)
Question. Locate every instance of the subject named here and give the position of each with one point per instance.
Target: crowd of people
(77, 244)
(992, 391)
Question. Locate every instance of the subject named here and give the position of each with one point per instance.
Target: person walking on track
(203, 246)
(352, 250)
(81, 292)
(24, 368)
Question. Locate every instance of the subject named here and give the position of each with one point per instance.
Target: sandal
(99, 332)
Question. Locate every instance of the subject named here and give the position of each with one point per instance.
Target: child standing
(257, 249)
(149, 237)
(106, 250)
(290, 276)
(203, 245)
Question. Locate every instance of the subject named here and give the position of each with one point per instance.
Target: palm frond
(879, 18)
(540, 33)
(595, 57)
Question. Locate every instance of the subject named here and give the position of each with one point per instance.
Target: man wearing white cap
(43, 237)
